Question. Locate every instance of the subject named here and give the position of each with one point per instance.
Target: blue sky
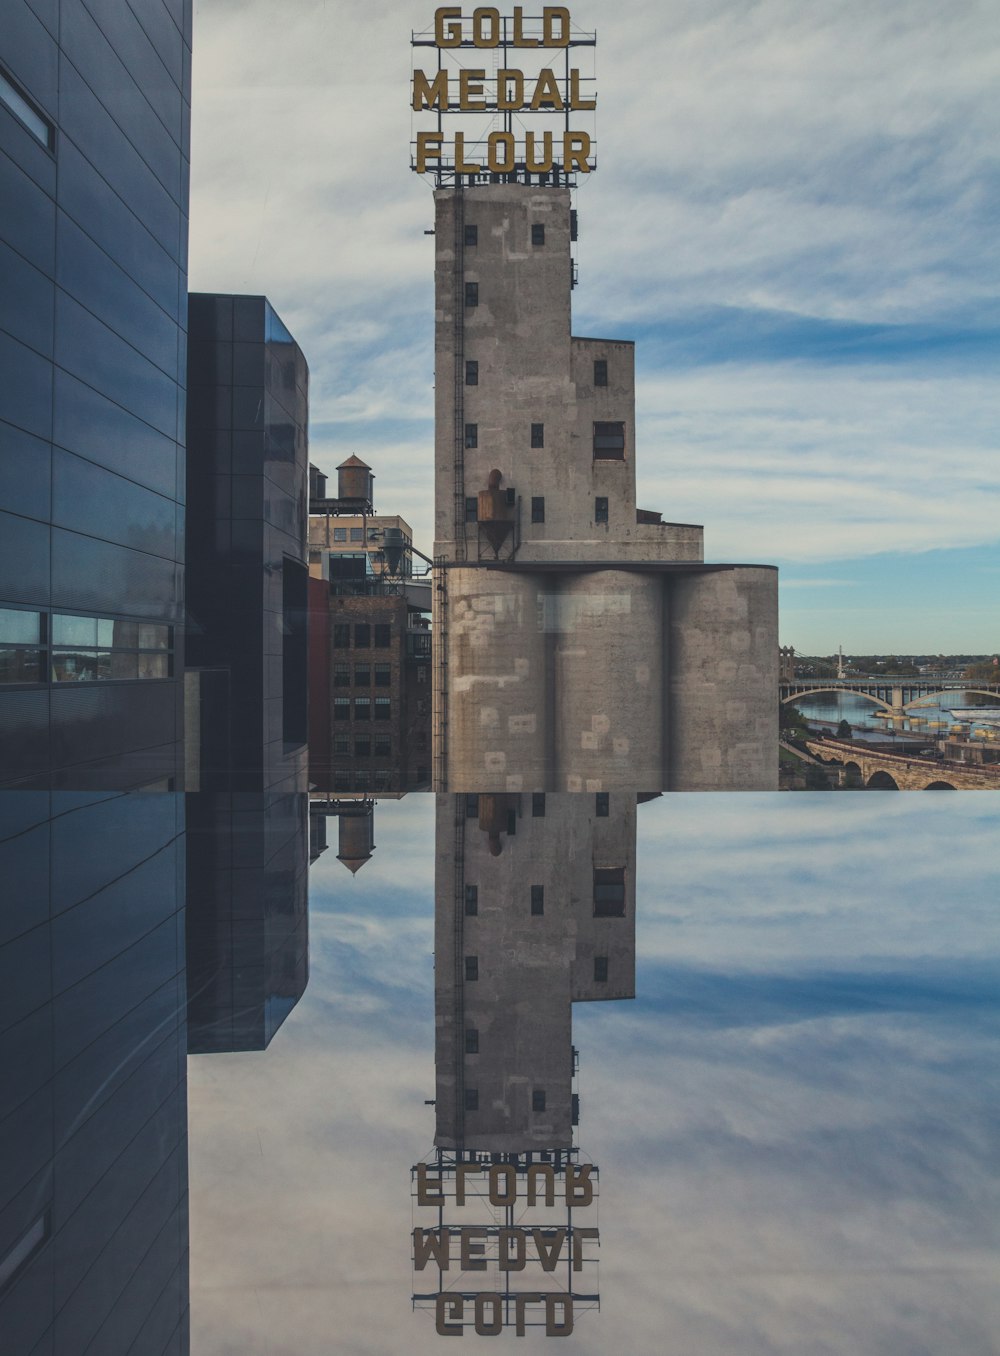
(794, 216)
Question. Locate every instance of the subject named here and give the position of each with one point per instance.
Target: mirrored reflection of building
(247, 916)
(93, 1125)
(534, 911)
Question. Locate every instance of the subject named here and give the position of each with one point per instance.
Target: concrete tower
(583, 643)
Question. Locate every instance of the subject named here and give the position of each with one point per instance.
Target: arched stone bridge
(903, 772)
(892, 694)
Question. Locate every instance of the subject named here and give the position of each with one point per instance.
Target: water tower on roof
(355, 485)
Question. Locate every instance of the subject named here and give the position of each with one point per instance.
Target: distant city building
(582, 643)
(370, 658)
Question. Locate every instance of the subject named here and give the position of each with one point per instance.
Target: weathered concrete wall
(723, 680)
(609, 656)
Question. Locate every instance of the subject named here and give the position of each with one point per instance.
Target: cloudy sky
(794, 217)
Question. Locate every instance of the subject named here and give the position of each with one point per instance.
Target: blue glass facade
(94, 132)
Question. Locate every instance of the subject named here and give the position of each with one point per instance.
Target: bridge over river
(896, 695)
(878, 770)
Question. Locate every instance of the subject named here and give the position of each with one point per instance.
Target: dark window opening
(341, 635)
(471, 509)
(471, 900)
(538, 235)
(472, 372)
(342, 675)
(471, 294)
(537, 509)
(538, 804)
(383, 675)
(511, 498)
(574, 224)
(537, 1099)
(383, 708)
(538, 435)
(472, 236)
(383, 746)
(537, 900)
(600, 371)
(362, 636)
(472, 967)
(472, 806)
(609, 892)
(574, 1108)
(362, 675)
(472, 435)
(383, 633)
(600, 509)
(472, 1099)
(511, 823)
(362, 708)
(362, 747)
(601, 969)
(602, 804)
(609, 441)
(471, 1041)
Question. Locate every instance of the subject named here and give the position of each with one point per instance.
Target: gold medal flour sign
(526, 80)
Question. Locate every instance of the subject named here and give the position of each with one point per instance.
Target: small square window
(602, 804)
(472, 435)
(609, 892)
(357, 534)
(601, 969)
(609, 441)
(537, 1099)
(362, 636)
(383, 634)
(600, 371)
(537, 509)
(471, 1041)
(537, 900)
(538, 235)
(341, 746)
(472, 1099)
(471, 509)
(340, 534)
(472, 372)
(471, 968)
(538, 804)
(471, 294)
(538, 435)
(600, 509)
(471, 901)
(471, 236)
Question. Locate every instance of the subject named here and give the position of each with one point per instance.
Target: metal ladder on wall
(459, 963)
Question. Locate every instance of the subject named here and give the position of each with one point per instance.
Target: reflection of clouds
(809, 1143)
(793, 1120)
